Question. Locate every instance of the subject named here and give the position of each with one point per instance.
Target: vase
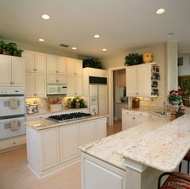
(147, 57)
(175, 102)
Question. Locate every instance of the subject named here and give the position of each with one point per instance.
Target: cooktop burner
(69, 117)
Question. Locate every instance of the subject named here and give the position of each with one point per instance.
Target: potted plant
(133, 59)
(175, 97)
(93, 63)
(10, 49)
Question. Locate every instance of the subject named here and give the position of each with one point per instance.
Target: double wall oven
(12, 112)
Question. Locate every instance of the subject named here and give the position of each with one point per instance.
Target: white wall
(185, 69)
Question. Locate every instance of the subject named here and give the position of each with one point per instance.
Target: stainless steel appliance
(12, 112)
(56, 89)
(69, 116)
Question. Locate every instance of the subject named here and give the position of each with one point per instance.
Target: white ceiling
(123, 25)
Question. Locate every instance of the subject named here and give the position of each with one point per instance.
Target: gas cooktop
(69, 117)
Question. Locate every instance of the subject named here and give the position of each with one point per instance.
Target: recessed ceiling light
(74, 48)
(41, 40)
(160, 11)
(45, 16)
(96, 36)
(104, 49)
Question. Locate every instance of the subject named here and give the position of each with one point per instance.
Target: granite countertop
(157, 143)
(40, 124)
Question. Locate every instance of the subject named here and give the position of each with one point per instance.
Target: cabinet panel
(40, 62)
(128, 121)
(71, 85)
(5, 70)
(40, 85)
(29, 84)
(69, 142)
(78, 85)
(29, 60)
(49, 148)
(101, 128)
(51, 64)
(87, 132)
(140, 120)
(61, 65)
(18, 72)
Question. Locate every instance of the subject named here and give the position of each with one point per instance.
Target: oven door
(12, 105)
(12, 127)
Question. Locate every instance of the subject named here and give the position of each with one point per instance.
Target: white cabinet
(138, 80)
(12, 71)
(35, 61)
(35, 84)
(35, 73)
(87, 132)
(69, 142)
(56, 69)
(101, 128)
(74, 77)
(74, 66)
(133, 118)
(49, 148)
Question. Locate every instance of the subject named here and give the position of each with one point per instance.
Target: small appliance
(56, 89)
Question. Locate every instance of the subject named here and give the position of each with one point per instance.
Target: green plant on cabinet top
(93, 63)
(133, 59)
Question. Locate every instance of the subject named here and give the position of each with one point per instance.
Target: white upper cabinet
(74, 66)
(56, 69)
(74, 77)
(138, 80)
(12, 71)
(35, 61)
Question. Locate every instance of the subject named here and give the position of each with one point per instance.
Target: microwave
(56, 89)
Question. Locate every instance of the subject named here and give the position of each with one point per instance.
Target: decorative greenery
(10, 49)
(93, 63)
(133, 59)
(175, 96)
(77, 99)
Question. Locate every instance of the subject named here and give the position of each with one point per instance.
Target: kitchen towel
(13, 103)
(14, 125)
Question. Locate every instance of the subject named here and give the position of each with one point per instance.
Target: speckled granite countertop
(40, 124)
(157, 143)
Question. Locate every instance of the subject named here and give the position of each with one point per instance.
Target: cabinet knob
(57, 71)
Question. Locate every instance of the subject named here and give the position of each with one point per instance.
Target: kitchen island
(134, 158)
(52, 146)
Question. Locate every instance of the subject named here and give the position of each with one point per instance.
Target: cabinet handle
(57, 72)
(133, 117)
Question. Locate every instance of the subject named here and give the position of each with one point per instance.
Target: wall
(185, 68)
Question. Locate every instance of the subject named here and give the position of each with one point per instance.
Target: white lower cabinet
(133, 118)
(69, 142)
(52, 149)
(87, 132)
(98, 174)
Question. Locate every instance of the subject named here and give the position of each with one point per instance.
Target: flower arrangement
(175, 96)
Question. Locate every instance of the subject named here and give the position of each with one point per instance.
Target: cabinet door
(49, 148)
(144, 80)
(61, 78)
(69, 142)
(51, 78)
(51, 64)
(70, 66)
(78, 67)
(128, 121)
(101, 128)
(78, 85)
(71, 85)
(18, 72)
(29, 60)
(40, 62)
(5, 70)
(29, 82)
(61, 65)
(40, 85)
(87, 132)
(131, 77)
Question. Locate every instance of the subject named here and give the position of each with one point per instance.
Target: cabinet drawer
(138, 113)
(128, 112)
